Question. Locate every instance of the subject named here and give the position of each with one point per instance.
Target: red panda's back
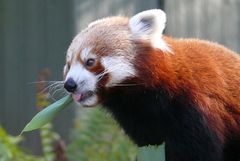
(211, 73)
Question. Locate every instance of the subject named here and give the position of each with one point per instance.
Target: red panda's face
(102, 56)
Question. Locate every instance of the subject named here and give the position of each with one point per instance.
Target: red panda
(184, 92)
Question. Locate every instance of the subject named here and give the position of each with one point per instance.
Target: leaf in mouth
(47, 114)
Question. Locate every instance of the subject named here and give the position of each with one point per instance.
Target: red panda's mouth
(79, 97)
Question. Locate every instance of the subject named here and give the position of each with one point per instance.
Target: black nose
(70, 85)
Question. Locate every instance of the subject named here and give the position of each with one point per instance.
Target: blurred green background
(34, 37)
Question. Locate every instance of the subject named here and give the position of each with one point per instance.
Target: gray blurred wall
(34, 34)
(90, 10)
(214, 20)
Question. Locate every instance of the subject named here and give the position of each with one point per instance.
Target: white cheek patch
(119, 69)
(79, 74)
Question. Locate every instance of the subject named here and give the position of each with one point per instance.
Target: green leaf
(47, 114)
(152, 153)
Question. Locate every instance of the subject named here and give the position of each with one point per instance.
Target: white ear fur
(149, 25)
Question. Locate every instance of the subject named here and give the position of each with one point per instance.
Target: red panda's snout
(85, 78)
(81, 84)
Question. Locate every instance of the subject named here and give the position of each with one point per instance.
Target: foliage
(97, 137)
(48, 137)
(9, 150)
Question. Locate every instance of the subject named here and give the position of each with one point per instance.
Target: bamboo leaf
(151, 153)
(47, 114)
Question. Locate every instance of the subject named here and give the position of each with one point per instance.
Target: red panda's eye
(90, 62)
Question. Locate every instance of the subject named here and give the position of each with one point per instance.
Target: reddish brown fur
(207, 72)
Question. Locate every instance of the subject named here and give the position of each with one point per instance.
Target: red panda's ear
(149, 25)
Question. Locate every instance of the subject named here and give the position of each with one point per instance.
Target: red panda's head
(103, 55)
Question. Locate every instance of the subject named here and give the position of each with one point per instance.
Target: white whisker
(38, 82)
(55, 87)
(112, 69)
(64, 93)
(106, 71)
(57, 90)
(126, 85)
(49, 87)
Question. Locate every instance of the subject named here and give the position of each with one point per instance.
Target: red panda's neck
(155, 68)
